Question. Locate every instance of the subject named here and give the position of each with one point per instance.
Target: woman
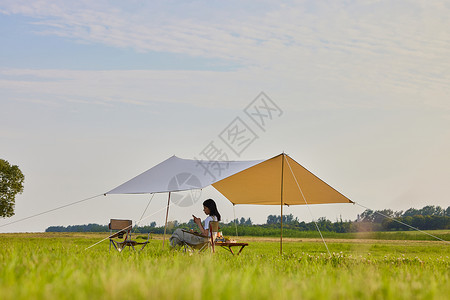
(180, 236)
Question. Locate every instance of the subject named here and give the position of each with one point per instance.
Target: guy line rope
(405, 224)
(365, 208)
(50, 210)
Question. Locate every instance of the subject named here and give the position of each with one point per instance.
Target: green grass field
(57, 266)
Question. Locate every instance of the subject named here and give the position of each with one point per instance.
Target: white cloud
(138, 87)
(379, 47)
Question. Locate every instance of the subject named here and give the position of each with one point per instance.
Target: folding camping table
(228, 245)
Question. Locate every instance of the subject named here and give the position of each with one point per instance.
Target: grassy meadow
(57, 266)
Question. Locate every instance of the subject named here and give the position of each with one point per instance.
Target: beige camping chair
(213, 229)
(209, 242)
(188, 247)
(120, 235)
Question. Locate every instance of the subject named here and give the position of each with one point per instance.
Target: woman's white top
(207, 220)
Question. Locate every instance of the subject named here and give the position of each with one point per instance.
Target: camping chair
(209, 242)
(119, 229)
(213, 229)
(187, 247)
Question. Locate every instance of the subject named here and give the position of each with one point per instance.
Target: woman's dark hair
(211, 205)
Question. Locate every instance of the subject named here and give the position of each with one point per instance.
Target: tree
(431, 210)
(287, 219)
(379, 215)
(271, 219)
(11, 184)
(367, 216)
(411, 212)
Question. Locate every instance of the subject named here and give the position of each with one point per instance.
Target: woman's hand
(197, 220)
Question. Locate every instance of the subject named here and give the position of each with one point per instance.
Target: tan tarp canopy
(263, 184)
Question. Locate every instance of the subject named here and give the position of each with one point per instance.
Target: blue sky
(95, 93)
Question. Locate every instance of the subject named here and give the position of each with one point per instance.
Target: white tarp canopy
(176, 174)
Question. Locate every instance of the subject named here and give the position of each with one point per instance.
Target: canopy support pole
(235, 224)
(281, 204)
(165, 226)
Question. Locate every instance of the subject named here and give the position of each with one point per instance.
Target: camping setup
(279, 180)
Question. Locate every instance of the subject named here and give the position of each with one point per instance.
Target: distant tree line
(79, 228)
(428, 218)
